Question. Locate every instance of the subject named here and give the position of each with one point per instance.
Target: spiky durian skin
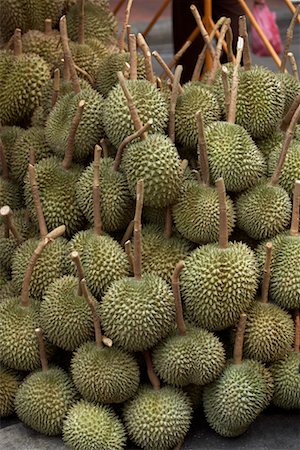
(116, 203)
(260, 251)
(10, 194)
(218, 284)
(44, 399)
(9, 384)
(9, 135)
(47, 46)
(12, 16)
(233, 155)
(287, 381)
(104, 375)
(8, 290)
(137, 314)
(89, 426)
(149, 102)
(86, 58)
(267, 144)
(269, 332)
(196, 213)
(197, 358)
(290, 86)
(158, 419)
(263, 211)
(156, 161)
(290, 171)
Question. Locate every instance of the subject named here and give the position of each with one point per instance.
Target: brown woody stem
(67, 162)
(267, 274)
(66, 71)
(125, 23)
(43, 356)
(239, 340)
(17, 42)
(96, 320)
(55, 87)
(173, 103)
(203, 30)
(166, 68)
(176, 292)
(223, 230)
(202, 150)
(128, 233)
(37, 201)
(147, 57)
(297, 331)
(293, 64)
(226, 89)
(216, 60)
(5, 172)
(229, 40)
(128, 32)
(244, 34)
(48, 27)
(289, 38)
(81, 22)
(154, 380)
(80, 272)
(133, 57)
(235, 81)
(296, 206)
(137, 231)
(104, 146)
(128, 251)
(168, 228)
(96, 192)
(289, 115)
(68, 55)
(83, 72)
(7, 215)
(183, 166)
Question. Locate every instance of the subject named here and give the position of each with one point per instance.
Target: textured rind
(233, 155)
(267, 144)
(156, 161)
(85, 57)
(196, 213)
(291, 87)
(9, 384)
(94, 427)
(7, 290)
(137, 314)
(218, 284)
(9, 135)
(47, 46)
(287, 381)
(263, 211)
(149, 103)
(44, 399)
(158, 419)
(197, 358)
(290, 171)
(260, 251)
(116, 205)
(10, 194)
(104, 375)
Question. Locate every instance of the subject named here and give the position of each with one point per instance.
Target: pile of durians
(149, 231)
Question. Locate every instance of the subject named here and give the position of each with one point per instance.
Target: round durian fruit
(116, 204)
(286, 378)
(10, 194)
(291, 167)
(44, 399)
(85, 57)
(291, 88)
(156, 161)
(89, 426)
(12, 16)
(137, 314)
(8, 136)
(197, 358)
(196, 213)
(268, 143)
(233, 155)
(268, 378)
(194, 98)
(104, 375)
(9, 384)
(218, 284)
(149, 103)
(8, 290)
(47, 46)
(158, 419)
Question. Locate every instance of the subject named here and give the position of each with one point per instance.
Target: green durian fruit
(10, 194)
(86, 58)
(8, 290)
(89, 426)
(291, 88)
(9, 384)
(286, 377)
(12, 16)
(291, 168)
(267, 144)
(45, 45)
(8, 136)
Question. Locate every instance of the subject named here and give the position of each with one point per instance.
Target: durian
(291, 167)
(9, 384)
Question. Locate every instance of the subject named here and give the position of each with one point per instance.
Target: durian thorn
(128, 233)
(104, 147)
(96, 320)
(223, 229)
(244, 34)
(86, 74)
(147, 58)
(137, 230)
(67, 54)
(96, 191)
(165, 66)
(288, 117)
(266, 273)
(176, 292)
(142, 131)
(43, 356)
(202, 150)
(48, 26)
(226, 89)
(153, 378)
(235, 81)
(133, 56)
(173, 102)
(128, 251)
(4, 166)
(293, 64)
(239, 340)
(67, 161)
(289, 38)
(17, 42)
(297, 331)
(229, 40)
(50, 237)
(203, 30)
(168, 225)
(55, 87)
(296, 206)
(81, 22)
(125, 23)
(286, 143)
(37, 201)
(7, 215)
(79, 268)
(216, 60)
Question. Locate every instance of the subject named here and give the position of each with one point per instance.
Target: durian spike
(293, 64)
(81, 22)
(80, 272)
(235, 81)
(244, 34)
(296, 206)
(202, 150)
(203, 30)
(67, 54)
(289, 38)
(239, 340)
(104, 146)
(5, 172)
(229, 40)
(57, 232)
(216, 60)
(165, 66)
(37, 201)
(147, 57)
(286, 143)
(267, 273)
(140, 133)
(67, 161)
(168, 226)
(48, 27)
(96, 191)
(176, 292)
(297, 331)
(173, 102)
(154, 380)
(289, 115)
(226, 89)
(55, 87)
(128, 251)
(133, 57)
(96, 320)
(7, 215)
(128, 233)
(43, 356)
(137, 231)
(223, 229)
(125, 23)
(17, 42)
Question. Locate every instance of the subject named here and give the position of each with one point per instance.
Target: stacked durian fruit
(144, 226)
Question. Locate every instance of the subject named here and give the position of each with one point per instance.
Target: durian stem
(244, 34)
(125, 23)
(177, 57)
(127, 141)
(239, 340)
(96, 192)
(96, 320)
(37, 201)
(286, 143)
(17, 42)
(173, 102)
(267, 273)
(289, 38)
(216, 60)
(128, 32)
(7, 215)
(128, 251)
(43, 356)
(183, 166)
(159, 84)
(128, 233)
(147, 57)
(133, 57)
(168, 228)
(296, 206)
(59, 231)
(86, 74)
(55, 87)
(48, 27)
(81, 22)
(176, 292)
(166, 68)
(79, 267)
(137, 231)
(32, 156)
(203, 30)
(5, 172)
(126, 71)
(229, 40)
(223, 229)
(104, 146)
(293, 64)
(67, 162)
(226, 89)
(66, 72)
(202, 150)
(154, 380)
(297, 331)
(288, 117)
(235, 81)
(68, 55)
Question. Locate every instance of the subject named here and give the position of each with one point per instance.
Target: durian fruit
(4, 277)
(10, 193)
(89, 426)
(9, 384)
(291, 167)
(45, 396)
(219, 281)
(8, 136)
(7, 290)
(267, 144)
(291, 88)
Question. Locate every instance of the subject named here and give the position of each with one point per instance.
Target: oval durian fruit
(291, 167)
(286, 378)
(8, 136)
(291, 88)
(9, 384)
(46, 45)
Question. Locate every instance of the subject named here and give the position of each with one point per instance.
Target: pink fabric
(266, 19)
